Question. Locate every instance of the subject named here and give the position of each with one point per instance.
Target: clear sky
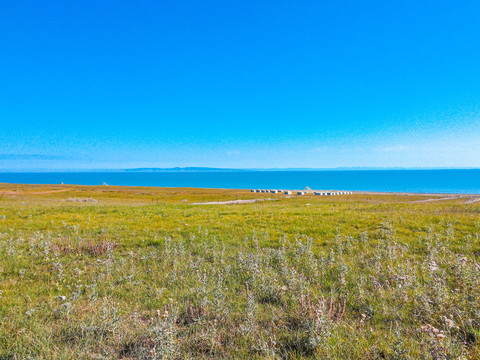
(242, 84)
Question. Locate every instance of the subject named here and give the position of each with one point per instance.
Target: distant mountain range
(181, 169)
(206, 169)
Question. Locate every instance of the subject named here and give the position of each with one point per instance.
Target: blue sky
(121, 84)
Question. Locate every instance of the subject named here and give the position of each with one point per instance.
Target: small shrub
(98, 247)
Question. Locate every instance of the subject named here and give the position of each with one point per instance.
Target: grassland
(141, 273)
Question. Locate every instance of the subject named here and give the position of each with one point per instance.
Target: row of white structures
(289, 192)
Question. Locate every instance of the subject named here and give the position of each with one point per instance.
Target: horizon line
(220, 169)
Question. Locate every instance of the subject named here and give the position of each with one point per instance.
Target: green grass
(142, 274)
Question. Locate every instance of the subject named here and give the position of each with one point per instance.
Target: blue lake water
(422, 181)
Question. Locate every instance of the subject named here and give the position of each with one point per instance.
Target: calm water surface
(423, 181)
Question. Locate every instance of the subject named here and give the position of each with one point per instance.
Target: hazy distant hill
(180, 169)
(206, 169)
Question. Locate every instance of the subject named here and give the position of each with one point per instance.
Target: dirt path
(469, 199)
(32, 192)
(433, 200)
(472, 200)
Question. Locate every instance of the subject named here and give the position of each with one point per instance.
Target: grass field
(141, 273)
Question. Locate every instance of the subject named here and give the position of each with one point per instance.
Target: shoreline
(67, 187)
